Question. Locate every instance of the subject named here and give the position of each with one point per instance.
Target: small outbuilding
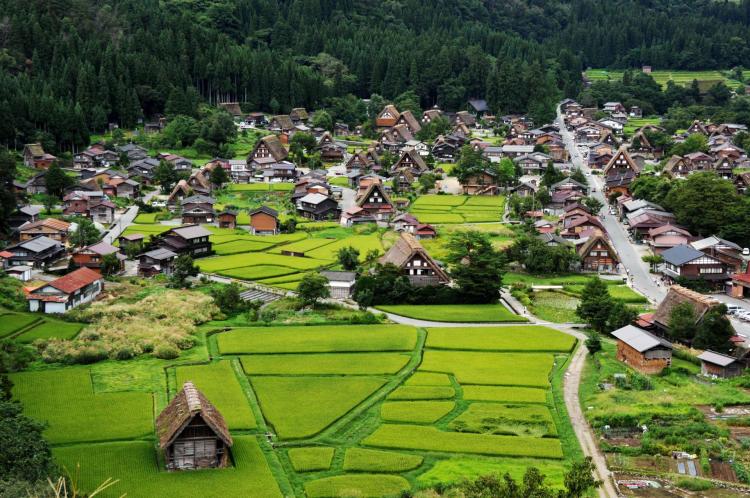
(192, 433)
(341, 283)
(719, 365)
(642, 350)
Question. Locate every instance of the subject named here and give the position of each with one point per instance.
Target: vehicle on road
(733, 309)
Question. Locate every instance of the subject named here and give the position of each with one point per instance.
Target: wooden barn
(192, 433)
(642, 350)
(719, 365)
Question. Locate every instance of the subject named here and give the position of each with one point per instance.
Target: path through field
(570, 390)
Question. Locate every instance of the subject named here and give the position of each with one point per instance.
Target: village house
(58, 296)
(598, 255)
(409, 255)
(102, 211)
(484, 183)
(642, 350)
(155, 262)
(684, 261)
(665, 237)
(395, 138)
(431, 115)
(134, 239)
(189, 239)
(620, 173)
(330, 150)
(35, 157)
(23, 215)
(298, 115)
(340, 283)
(317, 207)
(93, 256)
(465, 118)
(407, 119)
(144, 169)
(36, 252)
(513, 151)
(95, 156)
(192, 433)
(724, 250)
(387, 117)
(227, 218)
(355, 215)
(134, 152)
(424, 231)
(198, 209)
(445, 148)
(376, 202)
(715, 364)
(677, 295)
(268, 150)
(264, 221)
(122, 187)
(532, 164)
(178, 163)
(50, 227)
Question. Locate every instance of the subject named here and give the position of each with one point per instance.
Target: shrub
(166, 352)
(693, 484)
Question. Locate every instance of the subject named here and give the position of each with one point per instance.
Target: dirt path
(571, 384)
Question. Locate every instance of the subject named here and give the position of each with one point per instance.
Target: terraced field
(450, 209)
(371, 410)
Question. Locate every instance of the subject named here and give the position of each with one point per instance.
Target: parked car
(733, 309)
(744, 315)
(746, 251)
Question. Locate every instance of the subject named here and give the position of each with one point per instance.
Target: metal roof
(716, 358)
(639, 339)
(191, 231)
(679, 255)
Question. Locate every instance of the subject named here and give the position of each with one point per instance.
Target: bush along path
(570, 389)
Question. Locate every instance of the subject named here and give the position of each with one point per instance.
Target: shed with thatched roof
(192, 433)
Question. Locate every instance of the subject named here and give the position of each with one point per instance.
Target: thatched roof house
(192, 433)
(409, 255)
(676, 295)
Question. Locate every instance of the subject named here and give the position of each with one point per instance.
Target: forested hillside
(69, 67)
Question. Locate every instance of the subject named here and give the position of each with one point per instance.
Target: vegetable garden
(369, 410)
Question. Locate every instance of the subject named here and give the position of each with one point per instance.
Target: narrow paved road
(571, 384)
(642, 280)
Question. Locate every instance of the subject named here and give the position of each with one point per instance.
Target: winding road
(571, 384)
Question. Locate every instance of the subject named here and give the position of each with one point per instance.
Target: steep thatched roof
(405, 248)
(620, 160)
(678, 294)
(188, 403)
(275, 146)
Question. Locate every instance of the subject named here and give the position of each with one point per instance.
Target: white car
(733, 309)
(743, 315)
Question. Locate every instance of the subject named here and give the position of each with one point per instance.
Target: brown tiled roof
(51, 223)
(74, 280)
(188, 403)
(678, 294)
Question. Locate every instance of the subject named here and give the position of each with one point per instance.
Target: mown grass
(361, 485)
(362, 460)
(218, 383)
(422, 392)
(134, 465)
(456, 313)
(502, 393)
(299, 407)
(510, 369)
(328, 364)
(415, 412)
(311, 459)
(49, 329)
(342, 338)
(418, 437)
(519, 338)
(65, 400)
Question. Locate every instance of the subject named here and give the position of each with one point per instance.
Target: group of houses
(644, 347)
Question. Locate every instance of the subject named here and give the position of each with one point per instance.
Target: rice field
(457, 313)
(299, 407)
(519, 338)
(509, 369)
(497, 418)
(362, 485)
(315, 339)
(454, 209)
(325, 364)
(363, 460)
(219, 383)
(311, 459)
(422, 392)
(416, 412)
(14, 322)
(683, 78)
(49, 329)
(507, 394)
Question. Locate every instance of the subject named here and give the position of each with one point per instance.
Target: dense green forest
(69, 67)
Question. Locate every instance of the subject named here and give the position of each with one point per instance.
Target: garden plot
(134, 465)
(299, 407)
(65, 399)
(327, 364)
(219, 383)
(519, 338)
(307, 339)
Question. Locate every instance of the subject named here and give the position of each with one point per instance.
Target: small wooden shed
(192, 433)
(720, 365)
(642, 350)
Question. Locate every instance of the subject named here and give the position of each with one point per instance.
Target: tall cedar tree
(476, 267)
(596, 304)
(7, 197)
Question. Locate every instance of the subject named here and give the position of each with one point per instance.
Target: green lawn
(341, 338)
(518, 338)
(455, 312)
